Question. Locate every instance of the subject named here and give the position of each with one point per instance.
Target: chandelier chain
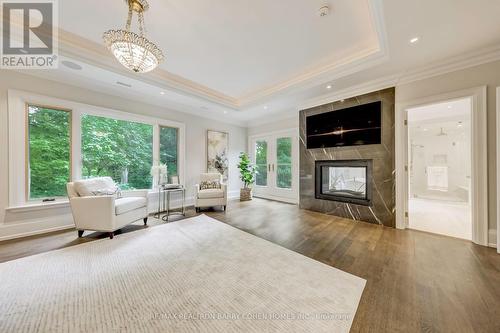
(129, 19)
(142, 24)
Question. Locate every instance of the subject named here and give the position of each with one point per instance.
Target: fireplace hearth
(348, 181)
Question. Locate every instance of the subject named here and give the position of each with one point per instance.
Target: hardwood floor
(416, 282)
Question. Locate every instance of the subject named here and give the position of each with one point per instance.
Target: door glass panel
(284, 162)
(261, 162)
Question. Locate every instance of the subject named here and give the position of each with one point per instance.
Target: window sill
(38, 206)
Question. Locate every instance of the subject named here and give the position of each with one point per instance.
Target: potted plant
(247, 175)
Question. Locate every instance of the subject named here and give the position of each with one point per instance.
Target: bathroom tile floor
(441, 217)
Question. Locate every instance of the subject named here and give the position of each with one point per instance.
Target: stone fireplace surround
(381, 208)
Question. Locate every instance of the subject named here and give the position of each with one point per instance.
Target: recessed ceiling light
(72, 65)
(459, 124)
(162, 93)
(329, 87)
(425, 129)
(449, 106)
(265, 107)
(414, 40)
(342, 100)
(225, 112)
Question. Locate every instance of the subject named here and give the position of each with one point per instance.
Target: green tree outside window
(48, 152)
(120, 149)
(169, 150)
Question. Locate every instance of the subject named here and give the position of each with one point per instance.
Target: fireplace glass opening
(344, 181)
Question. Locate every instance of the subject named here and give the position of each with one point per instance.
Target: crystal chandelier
(132, 50)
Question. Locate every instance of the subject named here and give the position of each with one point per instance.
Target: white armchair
(105, 213)
(210, 197)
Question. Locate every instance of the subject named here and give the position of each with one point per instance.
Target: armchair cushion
(211, 193)
(127, 204)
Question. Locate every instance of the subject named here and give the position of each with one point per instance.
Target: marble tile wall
(383, 180)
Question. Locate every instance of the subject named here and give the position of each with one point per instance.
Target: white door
(276, 158)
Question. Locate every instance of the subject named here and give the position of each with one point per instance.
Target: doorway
(276, 158)
(439, 168)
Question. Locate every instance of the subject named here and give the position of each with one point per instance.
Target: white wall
(269, 127)
(16, 222)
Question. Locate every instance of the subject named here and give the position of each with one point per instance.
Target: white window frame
(17, 101)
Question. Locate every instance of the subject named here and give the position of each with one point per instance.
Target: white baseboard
(38, 226)
(275, 198)
(492, 238)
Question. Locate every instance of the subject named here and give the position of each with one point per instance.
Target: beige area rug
(193, 275)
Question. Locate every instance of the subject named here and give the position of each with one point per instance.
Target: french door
(276, 158)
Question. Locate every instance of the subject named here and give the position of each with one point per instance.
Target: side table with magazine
(165, 193)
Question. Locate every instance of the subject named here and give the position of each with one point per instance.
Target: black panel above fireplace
(354, 126)
(347, 181)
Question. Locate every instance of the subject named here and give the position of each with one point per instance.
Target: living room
(300, 166)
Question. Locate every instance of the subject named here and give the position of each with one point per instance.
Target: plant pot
(245, 194)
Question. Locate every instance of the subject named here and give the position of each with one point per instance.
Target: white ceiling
(237, 47)
(231, 58)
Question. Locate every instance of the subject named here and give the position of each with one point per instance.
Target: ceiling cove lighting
(134, 51)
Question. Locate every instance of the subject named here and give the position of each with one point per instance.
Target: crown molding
(81, 49)
(468, 60)
(132, 96)
(78, 48)
(350, 65)
(336, 69)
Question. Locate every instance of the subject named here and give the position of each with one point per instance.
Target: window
(47, 135)
(48, 152)
(261, 163)
(169, 150)
(120, 149)
(284, 159)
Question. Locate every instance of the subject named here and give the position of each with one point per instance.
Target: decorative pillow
(209, 184)
(88, 187)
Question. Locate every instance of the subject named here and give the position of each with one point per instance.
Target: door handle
(269, 167)
(273, 167)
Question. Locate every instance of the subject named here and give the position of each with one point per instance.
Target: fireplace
(347, 181)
